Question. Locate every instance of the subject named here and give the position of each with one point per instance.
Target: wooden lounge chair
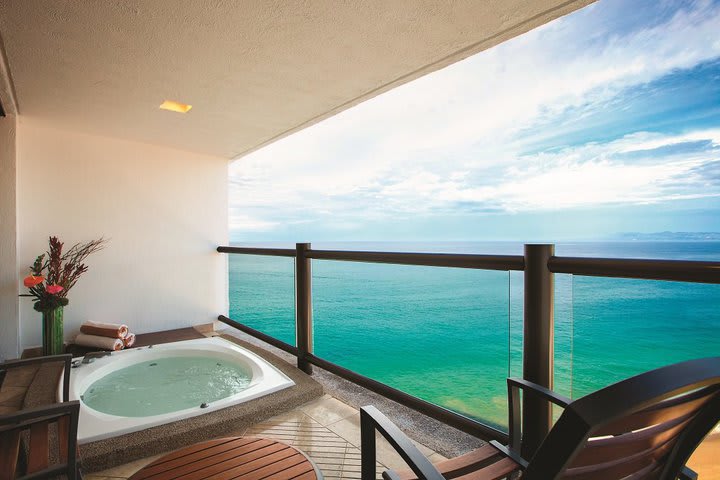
(36, 435)
(645, 427)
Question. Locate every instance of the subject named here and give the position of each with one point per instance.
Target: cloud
(588, 175)
(239, 221)
(520, 127)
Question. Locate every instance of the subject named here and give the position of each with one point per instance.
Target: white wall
(8, 241)
(164, 210)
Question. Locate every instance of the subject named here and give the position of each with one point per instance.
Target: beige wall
(8, 241)
(164, 210)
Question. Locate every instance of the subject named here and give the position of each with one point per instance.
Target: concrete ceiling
(254, 71)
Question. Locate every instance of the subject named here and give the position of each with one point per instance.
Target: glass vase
(52, 335)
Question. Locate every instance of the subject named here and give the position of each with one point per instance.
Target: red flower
(53, 289)
(32, 280)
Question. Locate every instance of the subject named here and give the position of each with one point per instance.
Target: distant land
(670, 236)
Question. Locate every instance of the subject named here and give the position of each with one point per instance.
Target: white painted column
(9, 319)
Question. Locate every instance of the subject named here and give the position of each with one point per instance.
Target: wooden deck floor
(326, 430)
(334, 455)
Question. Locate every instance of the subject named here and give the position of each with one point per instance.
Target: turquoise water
(166, 385)
(452, 336)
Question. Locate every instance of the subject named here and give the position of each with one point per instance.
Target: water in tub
(166, 385)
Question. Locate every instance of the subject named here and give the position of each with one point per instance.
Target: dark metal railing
(538, 343)
(672, 270)
(539, 265)
(303, 307)
(455, 260)
(272, 252)
(262, 336)
(448, 417)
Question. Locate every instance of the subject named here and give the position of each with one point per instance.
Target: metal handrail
(456, 420)
(277, 343)
(641, 269)
(673, 270)
(456, 260)
(273, 252)
(538, 264)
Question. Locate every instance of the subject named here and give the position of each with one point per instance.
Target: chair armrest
(687, 474)
(42, 413)
(509, 452)
(65, 358)
(370, 420)
(514, 386)
(541, 391)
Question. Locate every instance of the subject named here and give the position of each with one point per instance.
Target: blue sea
(452, 336)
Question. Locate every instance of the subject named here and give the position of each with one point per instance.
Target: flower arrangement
(54, 273)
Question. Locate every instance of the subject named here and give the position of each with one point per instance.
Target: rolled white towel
(111, 330)
(106, 343)
(129, 340)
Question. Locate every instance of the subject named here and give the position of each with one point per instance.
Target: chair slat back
(64, 437)
(35, 425)
(39, 447)
(657, 414)
(649, 436)
(627, 464)
(9, 450)
(639, 439)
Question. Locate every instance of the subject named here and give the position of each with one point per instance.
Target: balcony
(85, 151)
(328, 428)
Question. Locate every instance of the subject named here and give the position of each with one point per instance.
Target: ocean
(452, 336)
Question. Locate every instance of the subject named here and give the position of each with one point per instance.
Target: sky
(601, 122)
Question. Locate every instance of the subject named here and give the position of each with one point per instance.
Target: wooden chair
(37, 422)
(19, 374)
(642, 428)
(38, 428)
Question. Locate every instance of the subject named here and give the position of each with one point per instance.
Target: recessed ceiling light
(174, 106)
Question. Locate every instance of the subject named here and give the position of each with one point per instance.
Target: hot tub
(143, 387)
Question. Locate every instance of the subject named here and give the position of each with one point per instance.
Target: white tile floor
(326, 429)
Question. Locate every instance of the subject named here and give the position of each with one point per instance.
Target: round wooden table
(247, 458)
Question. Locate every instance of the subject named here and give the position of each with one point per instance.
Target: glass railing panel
(440, 334)
(622, 327)
(563, 333)
(262, 294)
(517, 300)
(563, 338)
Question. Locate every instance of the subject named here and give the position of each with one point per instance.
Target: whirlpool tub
(143, 387)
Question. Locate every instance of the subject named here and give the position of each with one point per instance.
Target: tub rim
(95, 425)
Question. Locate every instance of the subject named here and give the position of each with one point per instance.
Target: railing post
(538, 344)
(303, 306)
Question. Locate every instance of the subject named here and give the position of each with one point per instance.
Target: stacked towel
(108, 336)
(106, 343)
(129, 340)
(110, 330)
